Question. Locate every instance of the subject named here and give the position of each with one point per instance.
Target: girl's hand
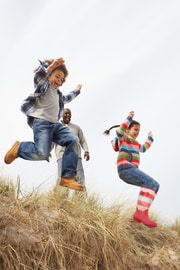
(78, 87)
(150, 134)
(131, 114)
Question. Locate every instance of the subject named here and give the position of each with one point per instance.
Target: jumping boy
(43, 110)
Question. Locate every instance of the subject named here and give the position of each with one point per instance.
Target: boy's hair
(62, 67)
(107, 131)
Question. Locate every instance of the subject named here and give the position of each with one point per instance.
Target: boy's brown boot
(12, 154)
(70, 182)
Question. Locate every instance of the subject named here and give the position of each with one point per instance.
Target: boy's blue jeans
(132, 175)
(80, 176)
(45, 133)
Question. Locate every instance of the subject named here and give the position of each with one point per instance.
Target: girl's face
(134, 131)
(56, 78)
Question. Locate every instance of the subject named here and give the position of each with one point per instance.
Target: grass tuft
(50, 232)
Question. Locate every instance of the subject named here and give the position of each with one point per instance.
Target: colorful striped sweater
(127, 146)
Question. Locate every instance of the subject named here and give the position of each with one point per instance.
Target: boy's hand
(56, 63)
(131, 114)
(78, 87)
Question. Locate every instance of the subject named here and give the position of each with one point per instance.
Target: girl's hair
(62, 67)
(107, 131)
(133, 123)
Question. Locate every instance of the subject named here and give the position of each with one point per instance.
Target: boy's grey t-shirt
(47, 106)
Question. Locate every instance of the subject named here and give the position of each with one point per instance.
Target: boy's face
(56, 78)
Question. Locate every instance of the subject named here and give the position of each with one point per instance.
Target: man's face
(66, 116)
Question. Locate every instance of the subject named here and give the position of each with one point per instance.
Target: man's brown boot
(70, 182)
(11, 155)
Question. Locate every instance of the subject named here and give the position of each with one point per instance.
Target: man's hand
(86, 156)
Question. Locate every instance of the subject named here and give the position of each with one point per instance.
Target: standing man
(82, 143)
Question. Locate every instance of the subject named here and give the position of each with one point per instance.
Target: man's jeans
(132, 175)
(45, 133)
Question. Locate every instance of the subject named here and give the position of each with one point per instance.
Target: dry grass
(49, 232)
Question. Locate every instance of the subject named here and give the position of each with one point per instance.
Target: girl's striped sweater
(127, 146)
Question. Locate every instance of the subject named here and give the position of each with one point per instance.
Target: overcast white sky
(126, 55)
